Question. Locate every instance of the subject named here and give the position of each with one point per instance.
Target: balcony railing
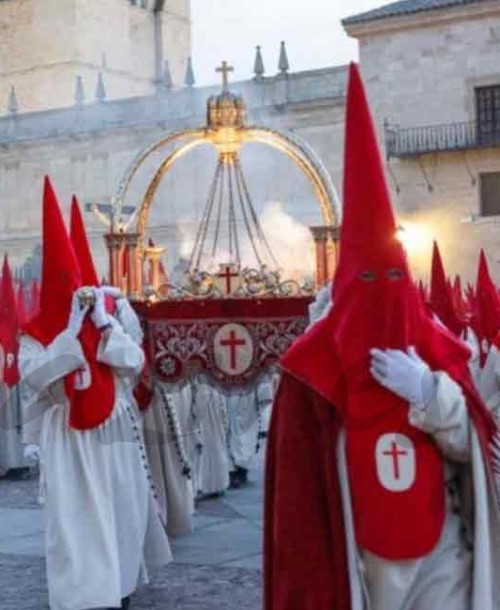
(439, 138)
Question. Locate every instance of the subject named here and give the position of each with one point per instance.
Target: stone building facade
(86, 150)
(429, 74)
(45, 47)
(433, 78)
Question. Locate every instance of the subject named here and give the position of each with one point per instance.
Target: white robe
(103, 528)
(168, 457)
(11, 446)
(489, 382)
(211, 405)
(451, 577)
(245, 411)
(268, 411)
(190, 424)
(472, 341)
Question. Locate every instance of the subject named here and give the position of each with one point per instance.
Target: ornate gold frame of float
(227, 131)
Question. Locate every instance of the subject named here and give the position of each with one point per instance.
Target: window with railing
(482, 132)
(490, 193)
(488, 114)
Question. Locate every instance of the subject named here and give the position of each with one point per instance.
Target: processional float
(228, 322)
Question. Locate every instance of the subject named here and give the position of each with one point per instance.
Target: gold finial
(225, 69)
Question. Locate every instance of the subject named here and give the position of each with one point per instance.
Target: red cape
(305, 547)
(305, 556)
(305, 552)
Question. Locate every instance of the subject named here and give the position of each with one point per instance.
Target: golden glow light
(415, 238)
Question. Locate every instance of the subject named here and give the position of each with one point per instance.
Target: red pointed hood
(470, 296)
(90, 392)
(457, 287)
(368, 233)
(441, 298)
(81, 246)
(376, 305)
(460, 303)
(487, 304)
(9, 326)
(423, 291)
(60, 273)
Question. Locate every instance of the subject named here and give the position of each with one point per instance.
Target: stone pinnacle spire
(100, 91)
(13, 104)
(283, 65)
(79, 91)
(258, 68)
(167, 75)
(189, 80)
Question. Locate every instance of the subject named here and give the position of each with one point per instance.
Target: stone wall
(45, 45)
(87, 149)
(419, 70)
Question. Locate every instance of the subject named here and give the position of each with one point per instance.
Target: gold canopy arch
(227, 131)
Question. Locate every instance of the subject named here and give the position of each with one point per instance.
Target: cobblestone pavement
(217, 567)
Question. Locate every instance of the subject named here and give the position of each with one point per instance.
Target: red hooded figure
(327, 390)
(9, 327)
(441, 297)
(91, 401)
(487, 307)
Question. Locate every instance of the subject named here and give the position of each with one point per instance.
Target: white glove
(321, 305)
(76, 316)
(32, 454)
(99, 315)
(112, 291)
(404, 374)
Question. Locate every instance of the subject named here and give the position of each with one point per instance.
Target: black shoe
(125, 604)
(18, 474)
(234, 480)
(242, 474)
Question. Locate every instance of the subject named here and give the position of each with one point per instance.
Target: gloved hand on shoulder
(405, 374)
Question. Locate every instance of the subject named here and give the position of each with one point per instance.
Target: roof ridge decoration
(406, 7)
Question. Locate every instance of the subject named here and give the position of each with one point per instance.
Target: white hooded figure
(211, 406)
(170, 461)
(103, 527)
(95, 484)
(245, 417)
(12, 457)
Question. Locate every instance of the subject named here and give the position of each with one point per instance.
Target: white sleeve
(41, 369)
(446, 419)
(129, 320)
(489, 385)
(119, 351)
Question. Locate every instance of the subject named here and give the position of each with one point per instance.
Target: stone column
(326, 241)
(131, 252)
(154, 254)
(114, 246)
(332, 250)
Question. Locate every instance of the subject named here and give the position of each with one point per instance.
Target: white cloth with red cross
(103, 530)
(455, 576)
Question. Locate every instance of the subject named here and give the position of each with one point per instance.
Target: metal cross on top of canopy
(230, 231)
(225, 69)
(231, 254)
